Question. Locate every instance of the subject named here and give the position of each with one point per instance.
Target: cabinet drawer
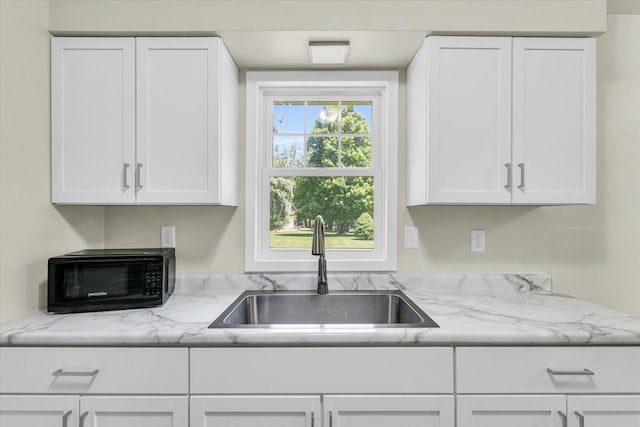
(94, 370)
(322, 370)
(548, 370)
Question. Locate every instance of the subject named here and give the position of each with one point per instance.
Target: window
(321, 143)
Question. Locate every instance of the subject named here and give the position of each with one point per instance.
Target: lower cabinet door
(604, 411)
(38, 411)
(511, 411)
(385, 411)
(255, 411)
(134, 411)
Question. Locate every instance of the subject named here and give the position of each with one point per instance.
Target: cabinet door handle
(138, 175)
(564, 418)
(585, 371)
(124, 171)
(580, 416)
(509, 176)
(521, 186)
(65, 417)
(61, 373)
(313, 419)
(82, 418)
(330, 418)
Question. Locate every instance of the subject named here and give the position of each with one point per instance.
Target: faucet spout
(317, 248)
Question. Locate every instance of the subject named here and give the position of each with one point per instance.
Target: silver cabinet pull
(521, 186)
(65, 417)
(509, 177)
(564, 418)
(125, 183)
(61, 373)
(313, 419)
(580, 416)
(585, 371)
(138, 175)
(82, 417)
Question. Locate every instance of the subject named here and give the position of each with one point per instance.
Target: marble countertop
(484, 309)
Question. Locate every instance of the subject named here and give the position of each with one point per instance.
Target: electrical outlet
(411, 237)
(168, 236)
(477, 240)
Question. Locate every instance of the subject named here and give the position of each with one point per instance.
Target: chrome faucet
(317, 248)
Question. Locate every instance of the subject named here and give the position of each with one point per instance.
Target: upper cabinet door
(464, 135)
(554, 116)
(179, 126)
(93, 120)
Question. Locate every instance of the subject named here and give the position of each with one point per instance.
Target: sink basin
(264, 309)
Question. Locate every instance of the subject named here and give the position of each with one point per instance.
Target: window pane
(322, 152)
(345, 203)
(356, 152)
(323, 117)
(288, 117)
(356, 117)
(288, 151)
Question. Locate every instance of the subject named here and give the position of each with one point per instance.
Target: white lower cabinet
(603, 411)
(326, 411)
(38, 411)
(328, 387)
(91, 387)
(255, 411)
(391, 410)
(548, 386)
(320, 387)
(134, 411)
(93, 411)
(548, 411)
(511, 411)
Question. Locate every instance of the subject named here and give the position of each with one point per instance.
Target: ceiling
(289, 49)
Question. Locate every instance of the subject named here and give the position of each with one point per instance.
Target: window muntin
(322, 133)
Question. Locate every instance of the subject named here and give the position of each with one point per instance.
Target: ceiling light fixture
(328, 53)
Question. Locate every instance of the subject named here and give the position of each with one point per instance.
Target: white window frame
(261, 86)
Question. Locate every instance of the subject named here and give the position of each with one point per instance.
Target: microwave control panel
(153, 279)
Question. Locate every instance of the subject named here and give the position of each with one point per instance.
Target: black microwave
(110, 279)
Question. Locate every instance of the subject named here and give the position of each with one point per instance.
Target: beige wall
(31, 229)
(591, 251)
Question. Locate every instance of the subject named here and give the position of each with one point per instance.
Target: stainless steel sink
(264, 309)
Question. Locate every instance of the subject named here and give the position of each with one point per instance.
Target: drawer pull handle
(585, 371)
(61, 373)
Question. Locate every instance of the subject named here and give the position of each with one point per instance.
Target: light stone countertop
(478, 309)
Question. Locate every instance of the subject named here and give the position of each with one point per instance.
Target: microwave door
(92, 282)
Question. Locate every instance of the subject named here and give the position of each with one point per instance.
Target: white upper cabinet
(178, 143)
(554, 120)
(93, 120)
(501, 120)
(459, 117)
